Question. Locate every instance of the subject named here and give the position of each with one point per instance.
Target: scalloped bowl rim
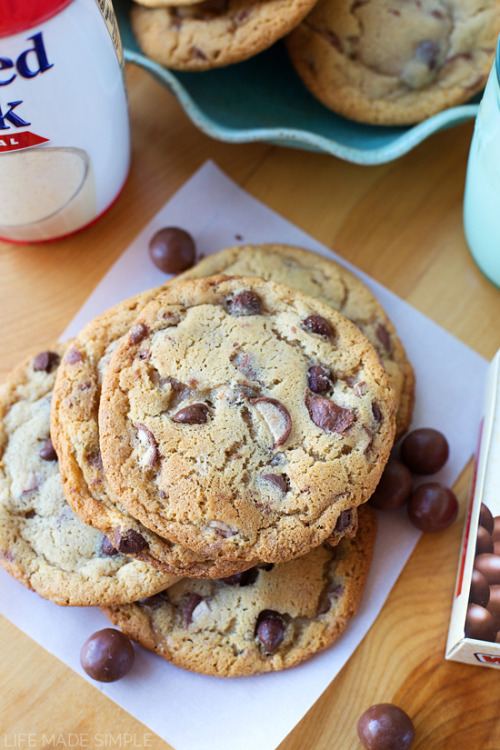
(401, 145)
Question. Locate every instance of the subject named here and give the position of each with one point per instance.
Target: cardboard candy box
(474, 634)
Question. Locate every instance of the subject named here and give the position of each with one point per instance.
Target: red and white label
(16, 142)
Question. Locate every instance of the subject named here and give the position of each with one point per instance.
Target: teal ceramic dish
(264, 100)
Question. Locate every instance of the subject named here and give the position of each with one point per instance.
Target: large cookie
(42, 542)
(267, 619)
(214, 33)
(389, 62)
(75, 432)
(334, 285)
(240, 417)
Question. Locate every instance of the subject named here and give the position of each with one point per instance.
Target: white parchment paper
(194, 712)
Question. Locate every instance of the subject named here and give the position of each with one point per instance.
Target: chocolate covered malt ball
(172, 250)
(479, 589)
(432, 507)
(394, 487)
(480, 624)
(385, 727)
(108, 655)
(484, 541)
(486, 519)
(424, 451)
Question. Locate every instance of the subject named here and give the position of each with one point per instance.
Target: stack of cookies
(385, 62)
(212, 445)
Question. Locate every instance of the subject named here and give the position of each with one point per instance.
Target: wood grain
(399, 222)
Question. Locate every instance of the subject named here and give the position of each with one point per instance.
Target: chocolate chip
(73, 357)
(385, 727)
(129, 542)
(107, 655)
(172, 250)
(327, 415)
(48, 452)
(377, 414)
(320, 379)
(343, 521)
(192, 414)
(155, 601)
(242, 579)
(46, 361)
(270, 630)
(107, 548)
(244, 303)
(276, 417)
(187, 608)
(138, 333)
(317, 324)
(279, 480)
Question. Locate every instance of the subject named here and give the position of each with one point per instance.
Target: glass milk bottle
(64, 129)
(482, 187)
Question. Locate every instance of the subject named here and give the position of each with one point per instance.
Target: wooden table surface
(402, 224)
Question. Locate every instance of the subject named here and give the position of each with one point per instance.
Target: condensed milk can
(64, 128)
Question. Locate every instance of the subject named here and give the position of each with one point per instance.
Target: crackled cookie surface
(214, 33)
(75, 433)
(266, 619)
(394, 62)
(332, 284)
(240, 418)
(42, 542)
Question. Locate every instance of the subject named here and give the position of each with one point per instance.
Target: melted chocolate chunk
(154, 601)
(48, 452)
(245, 303)
(154, 454)
(343, 521)
(332, 592)
(320, 379)
(329, 416)
(187, 608)
(270, 630)
(279, 480)
(129, 542)
(383, 337)
(317, 324)
(46, 361)
(107, 548)
(138, 333)
(242, 579)
(276, 416)
(192, 414)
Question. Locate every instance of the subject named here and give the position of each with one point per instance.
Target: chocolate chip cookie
(240, 417)
(389, 62)
(266, 619)
(42, 542)
(214, 33)
(75, 432)
(332, 284)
